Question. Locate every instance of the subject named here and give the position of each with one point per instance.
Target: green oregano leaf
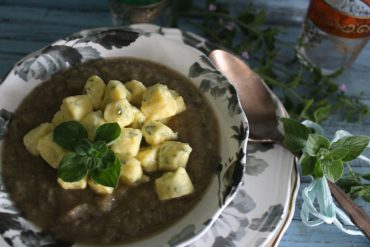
(308, 164)
(318, 171)
(108, 177)
(72, 168)
(296, 134)
(107, 160)
(315, 143)
(338, 153)
(84, 147)
(92, 163)
(354, 144)
(333, 170)
(69, 134)
(108, 133)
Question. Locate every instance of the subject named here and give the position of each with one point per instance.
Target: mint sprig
(93, 159)
(321, 157)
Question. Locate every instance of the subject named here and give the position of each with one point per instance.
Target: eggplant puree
(129, 213)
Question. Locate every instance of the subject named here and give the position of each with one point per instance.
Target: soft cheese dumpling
(158, 102)
(119, 112)
(173, 184)
(95, 88)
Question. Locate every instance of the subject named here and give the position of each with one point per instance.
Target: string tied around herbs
(325, 210)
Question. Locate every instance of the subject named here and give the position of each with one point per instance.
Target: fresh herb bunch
(320, 157)
(305, 91)
(93, 159)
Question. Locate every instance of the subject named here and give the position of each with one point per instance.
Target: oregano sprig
(94, 159)
(320, 156)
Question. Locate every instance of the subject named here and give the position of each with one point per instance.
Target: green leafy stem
(320, 157)
(94, 159)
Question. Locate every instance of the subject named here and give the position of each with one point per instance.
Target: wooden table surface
(28, 25)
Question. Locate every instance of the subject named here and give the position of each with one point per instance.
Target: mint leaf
(72, 168)
(308, 164)
(92, 163)
(334, 170)
(108, 177)
(295, 134)
(83, 147)
(99, 149)
(107, 160)
(315, 143)
(69, 134)
(107, 133)
(355, 145)
(338, 153)
(318, 172)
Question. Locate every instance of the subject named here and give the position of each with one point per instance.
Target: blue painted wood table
(28, 25)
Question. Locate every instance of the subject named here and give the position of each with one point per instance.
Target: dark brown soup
(129, 213)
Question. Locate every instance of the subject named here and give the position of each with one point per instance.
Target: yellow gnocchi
(95, 88)
(148, 158)
(98, 188)
(158, 102)
(78, 185)
(31, 139)
(51, 152)
(137, 90)
(139, 118)
(173, 155)
(119, 112)
(92, 121)
(156, 132)
(77, 107)
(58, 118)
(128, 143)
(114, 91)
(173, 185)
(131, 171)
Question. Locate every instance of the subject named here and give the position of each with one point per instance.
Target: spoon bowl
(255, 96)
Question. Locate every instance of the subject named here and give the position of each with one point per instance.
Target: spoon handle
(357, 214)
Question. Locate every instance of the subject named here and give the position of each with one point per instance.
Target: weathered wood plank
(54, 17)
(82, 5)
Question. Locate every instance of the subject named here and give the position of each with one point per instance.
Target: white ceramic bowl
(117, 42)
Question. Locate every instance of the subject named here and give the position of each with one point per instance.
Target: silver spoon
(256, 100)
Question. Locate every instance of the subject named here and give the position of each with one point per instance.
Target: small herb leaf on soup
(99, 149)
(92, 163)
(72, 168)
(84, 147)
(69, 134)
(108, 133)
(107, 160)
(108, 177)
